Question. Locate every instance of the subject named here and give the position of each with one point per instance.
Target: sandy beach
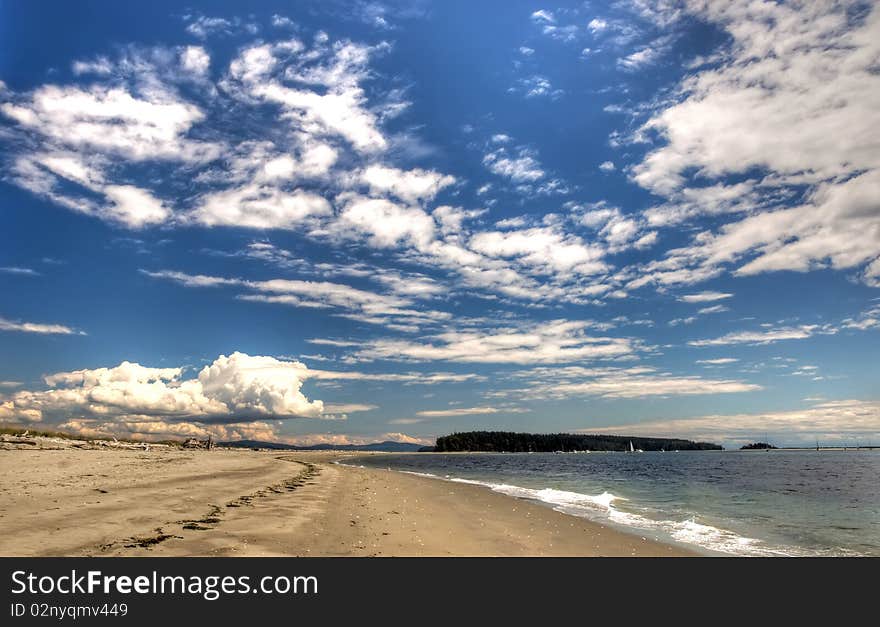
(172, 502)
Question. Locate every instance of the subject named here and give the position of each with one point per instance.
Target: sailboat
(634, 450)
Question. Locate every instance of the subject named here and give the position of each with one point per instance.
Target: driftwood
(14, 440)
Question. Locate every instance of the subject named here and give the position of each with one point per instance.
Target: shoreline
(628, 530)
(74, 502)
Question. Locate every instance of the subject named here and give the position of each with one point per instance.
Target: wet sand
(243, 503)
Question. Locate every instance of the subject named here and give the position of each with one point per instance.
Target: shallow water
(720, 502)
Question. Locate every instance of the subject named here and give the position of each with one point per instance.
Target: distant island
(757, 446)
(509, 442)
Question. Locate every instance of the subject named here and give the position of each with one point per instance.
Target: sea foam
(600, 508)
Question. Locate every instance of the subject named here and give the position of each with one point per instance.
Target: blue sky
(343, 222)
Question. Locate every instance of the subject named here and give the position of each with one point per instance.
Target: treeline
(757, 446)
(509, 442)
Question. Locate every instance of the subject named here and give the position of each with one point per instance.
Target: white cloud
(280, 21)
(767, 336)
(618, 230)
(101, 66)
(459, 411)
(832, 423)
(521, 167)
(196, 60)
(411, 186)
(390, 310)
(338, 109)
(452, 219)
(547, 21)
(869, 319)
(720, 361)
(793, 104)
(18, 270)
(638, 59)
(712, 309)
(536, 86)
(386, 224)
(558, 341)
(237, 388)
(203, 26)
(260, 207)
(80, 135)
(618, 383)
(607, 166)
(134, 207)
(541, 248)
(406, 378)
(597, 25)
(36, 327)
(704, 297)
(111, 120)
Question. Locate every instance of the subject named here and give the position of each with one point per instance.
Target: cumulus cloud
(195, 59)
(541, 247)
(520, 166)
(387, 224)
(260, 207)
(620, 231)
(410, 186)
(237, 388)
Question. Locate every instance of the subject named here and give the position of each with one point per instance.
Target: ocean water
(773, 503)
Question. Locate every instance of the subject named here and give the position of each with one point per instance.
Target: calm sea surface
(722, 502)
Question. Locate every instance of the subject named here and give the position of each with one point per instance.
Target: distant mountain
(385, 447)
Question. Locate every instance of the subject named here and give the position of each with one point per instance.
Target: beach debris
(195, 443)
(147, 541)
(213, 517)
